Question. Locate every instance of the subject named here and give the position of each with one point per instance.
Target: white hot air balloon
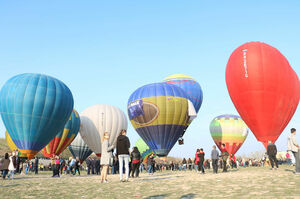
(98, 119)
(90, 135)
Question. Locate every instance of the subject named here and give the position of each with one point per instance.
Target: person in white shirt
(294, 147)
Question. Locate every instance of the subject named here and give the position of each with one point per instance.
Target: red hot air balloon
(263, 88)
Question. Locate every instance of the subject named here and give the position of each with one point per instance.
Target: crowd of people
(131, 164)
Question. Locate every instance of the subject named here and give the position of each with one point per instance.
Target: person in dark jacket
(98, 166)
(123, 146)
(5, 163)
(18, 161)
(36, 165)
(136, 161)
(201, 160)
(272, 151)
(190, 163)
(184, 164)
(62, 164)
(93, 165)
(77, 166)
(150, 164)
(88, 165)
(115, 167)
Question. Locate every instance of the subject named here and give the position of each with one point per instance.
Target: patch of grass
(244, 183)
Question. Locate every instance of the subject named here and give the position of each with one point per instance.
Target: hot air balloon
(12, 145)
(143, 149)
(64, 138)
(190, 86)
(34, 108)
(97, 119)
(192, 89)
(79, 149)
(263, 88)
(230, 130)
(159, 112)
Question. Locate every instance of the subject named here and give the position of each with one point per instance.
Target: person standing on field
(136, 161)
(123, 146)
(272, 152)
(214, 159)
(106, 156)
(12, 166)
(224, 155)
(294, 147)
(36, 165)
(4, 165)
(201, 161)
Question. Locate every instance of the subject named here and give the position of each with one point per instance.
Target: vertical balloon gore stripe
(66, 143)
(64, 138)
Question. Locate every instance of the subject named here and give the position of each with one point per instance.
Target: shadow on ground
(10, 185)
(290, 170)
(162, 196)
(188, 196)
(164, 178)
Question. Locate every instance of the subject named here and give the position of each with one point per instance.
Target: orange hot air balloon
(64, 138)
(263, 88)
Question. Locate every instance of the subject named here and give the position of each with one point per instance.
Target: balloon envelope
(34, 108)
(98, 119)
(190, 86)
(79, 149)
(12, 145)
(159, 112)
(64, 138)
(230, 130)
(143, 149)
(264, 89)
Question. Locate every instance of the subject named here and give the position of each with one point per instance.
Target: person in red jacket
(197, 158)
(224, 155)
(233, 161)
(201, 155)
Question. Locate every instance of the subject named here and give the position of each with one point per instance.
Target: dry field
(244, 183)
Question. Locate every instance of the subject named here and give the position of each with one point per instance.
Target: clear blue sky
(104, 51)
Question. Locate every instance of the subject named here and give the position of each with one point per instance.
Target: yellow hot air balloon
(12, 145)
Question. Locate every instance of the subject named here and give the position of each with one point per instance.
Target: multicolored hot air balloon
(159, 112)
(230, 130)
(12, 145)
(190, 86)
(34, 108)
(64, 138)
(143, 149)
(97, 119)
(79, 149)
(263, 88)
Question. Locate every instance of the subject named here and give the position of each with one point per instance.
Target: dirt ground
(242, 183)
